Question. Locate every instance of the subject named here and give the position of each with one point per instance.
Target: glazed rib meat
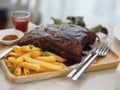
(65, 40)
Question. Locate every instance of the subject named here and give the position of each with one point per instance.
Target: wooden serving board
(109, 61)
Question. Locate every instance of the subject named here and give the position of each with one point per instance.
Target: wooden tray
(109, 61)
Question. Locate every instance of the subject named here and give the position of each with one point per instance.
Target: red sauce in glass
(21, 24)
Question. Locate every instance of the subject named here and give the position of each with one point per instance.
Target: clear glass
(20, 20)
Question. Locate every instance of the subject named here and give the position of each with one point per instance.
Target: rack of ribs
(65, 40)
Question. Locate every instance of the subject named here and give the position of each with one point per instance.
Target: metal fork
(74, 71)
(102, 50)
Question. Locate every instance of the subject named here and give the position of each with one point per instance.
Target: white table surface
(97, 80)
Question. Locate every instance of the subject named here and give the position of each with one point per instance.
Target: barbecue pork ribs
(65, 40)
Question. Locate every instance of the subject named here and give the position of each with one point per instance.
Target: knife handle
(74, 71)
(82, 70)
(5, 52)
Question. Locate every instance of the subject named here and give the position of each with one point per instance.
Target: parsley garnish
(12, 69)
(30, 46)
(13, 50)
(46, 53)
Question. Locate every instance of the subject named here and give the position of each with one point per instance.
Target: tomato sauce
(21, 24)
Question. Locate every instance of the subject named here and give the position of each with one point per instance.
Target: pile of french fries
(25, 60)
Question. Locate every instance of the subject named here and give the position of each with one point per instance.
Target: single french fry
(45, 70)
(47, 58)
(31, 66)
(26, 71)
(30, 48)
(17, 49)
(18, 71)
(56, 63)
(14, 54)
(51, 65)
(12, 60)
(19, 59)
(8, 63)
(34, 54)
(25, 49)
(36, 48)
(58, 58)
(31, 60)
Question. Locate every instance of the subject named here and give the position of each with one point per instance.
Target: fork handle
(73, 72)
(82, 69)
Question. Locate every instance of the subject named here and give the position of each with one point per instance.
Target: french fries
(58, 58)
(18, 71)
(25, 60)
(48, 58)
(51, 66)
(26, 71)
(31, 66)
(44, 64)
(9, 64)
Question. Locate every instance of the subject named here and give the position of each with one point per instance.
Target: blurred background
(97, 11)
